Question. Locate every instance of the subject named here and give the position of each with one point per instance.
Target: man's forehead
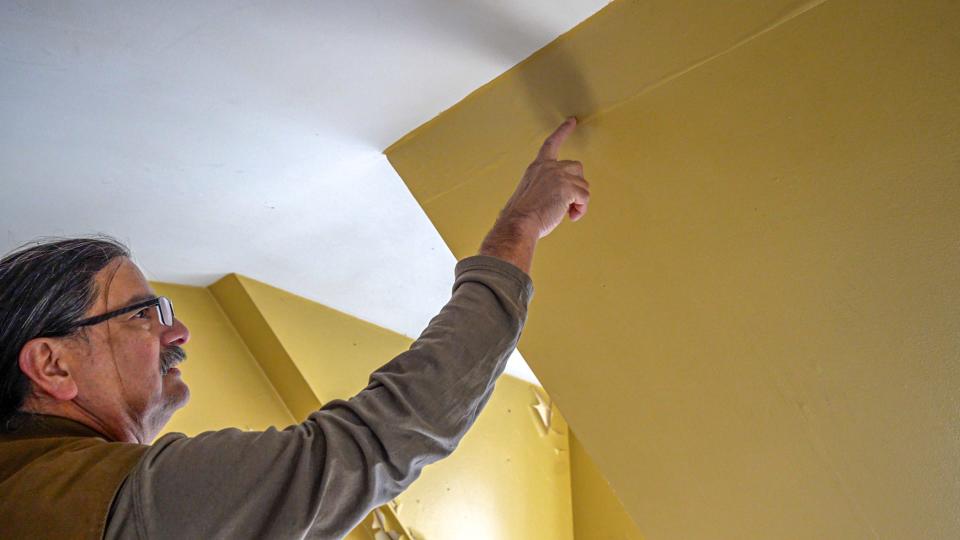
(120, 284)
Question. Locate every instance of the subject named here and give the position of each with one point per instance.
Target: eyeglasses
(162, 303)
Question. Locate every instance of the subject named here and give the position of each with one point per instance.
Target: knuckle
(576, 167)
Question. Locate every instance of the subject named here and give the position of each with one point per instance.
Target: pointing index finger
(551, 146)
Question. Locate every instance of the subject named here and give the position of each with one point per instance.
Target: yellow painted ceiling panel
(754, 330)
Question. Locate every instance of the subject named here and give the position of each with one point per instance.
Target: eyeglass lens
(165, 306)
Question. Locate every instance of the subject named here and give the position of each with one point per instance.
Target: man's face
(119, 372)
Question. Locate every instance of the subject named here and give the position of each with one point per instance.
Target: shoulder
(41, 476)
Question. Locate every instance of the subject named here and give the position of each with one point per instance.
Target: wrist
(519, 227)
(512, 240)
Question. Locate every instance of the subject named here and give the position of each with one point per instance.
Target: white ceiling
(238, 136)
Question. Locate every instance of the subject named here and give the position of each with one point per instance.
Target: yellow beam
(333, 352)
(260, 338)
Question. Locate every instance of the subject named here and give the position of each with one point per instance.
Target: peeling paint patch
(544, 411)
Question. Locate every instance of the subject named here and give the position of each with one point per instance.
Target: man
(88, 378)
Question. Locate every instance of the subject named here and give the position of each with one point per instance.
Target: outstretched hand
(550, 188)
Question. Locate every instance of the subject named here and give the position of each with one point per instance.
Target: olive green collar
(41, 426)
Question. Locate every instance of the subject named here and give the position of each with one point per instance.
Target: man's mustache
(171, 357)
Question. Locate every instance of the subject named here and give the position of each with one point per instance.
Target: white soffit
(230, 136)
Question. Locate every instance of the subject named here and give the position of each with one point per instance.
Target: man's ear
(41, 360)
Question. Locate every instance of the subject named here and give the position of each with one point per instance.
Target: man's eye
(142, 314)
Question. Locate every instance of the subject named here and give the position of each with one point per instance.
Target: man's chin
(175, 390)
(174, 396)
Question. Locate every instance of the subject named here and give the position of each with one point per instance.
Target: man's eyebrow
(138, 298)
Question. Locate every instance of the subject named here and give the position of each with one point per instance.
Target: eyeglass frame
(160, 302)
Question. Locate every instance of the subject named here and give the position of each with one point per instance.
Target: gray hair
(45, 287)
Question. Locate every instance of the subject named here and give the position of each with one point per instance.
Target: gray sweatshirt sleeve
(318, 479)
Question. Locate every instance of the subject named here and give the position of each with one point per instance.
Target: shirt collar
(41, 426)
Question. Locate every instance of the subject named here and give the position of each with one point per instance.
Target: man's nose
(178, 334)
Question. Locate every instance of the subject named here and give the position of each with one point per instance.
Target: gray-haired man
(88, 377)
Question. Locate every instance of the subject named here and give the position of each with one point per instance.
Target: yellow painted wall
(508, 479)
(754, 330)
(597, 512)
(227, 386)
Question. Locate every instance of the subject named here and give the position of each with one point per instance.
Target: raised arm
(318, 479)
